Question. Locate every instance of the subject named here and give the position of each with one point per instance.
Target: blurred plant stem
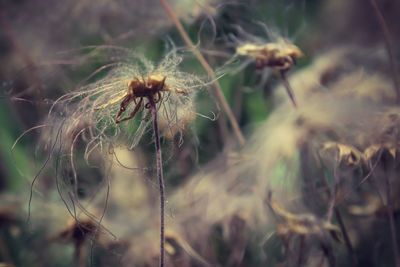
(346, 237)
(217, 88)
(331, 194)
(389, 204)
(389, 48)
(80, 256)
(288, 88)
(160, 176)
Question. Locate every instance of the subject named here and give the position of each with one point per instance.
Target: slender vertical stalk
(160, 176)
(288, 88)
(389, 48)
(346, 237)
(300, 260)
(331, 193)
(80, 255)
(389, 203)
(217, 88)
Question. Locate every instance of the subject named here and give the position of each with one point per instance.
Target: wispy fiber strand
(217, 88)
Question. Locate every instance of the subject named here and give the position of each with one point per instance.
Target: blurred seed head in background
(310, 187)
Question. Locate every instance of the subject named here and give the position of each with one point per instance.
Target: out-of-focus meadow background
(312, 186)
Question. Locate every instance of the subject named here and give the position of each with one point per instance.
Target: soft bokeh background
(315, 186)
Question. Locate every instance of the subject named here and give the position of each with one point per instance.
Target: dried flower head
(128, 89)
(277, 52)
(281, 55)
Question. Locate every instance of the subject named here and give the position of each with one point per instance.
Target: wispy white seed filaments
(97, 105)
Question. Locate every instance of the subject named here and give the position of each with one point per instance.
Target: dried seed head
(275, 52)
(125, 92)
(281, 55)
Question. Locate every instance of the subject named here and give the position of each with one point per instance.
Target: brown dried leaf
(346, 154)
(375, 150)
(303, 224)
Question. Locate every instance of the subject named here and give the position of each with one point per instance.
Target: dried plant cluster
(314, 185)
(277, 54)
(281, 55)
(124, 94)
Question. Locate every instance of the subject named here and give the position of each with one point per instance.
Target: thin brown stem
(217, 88)
(389, 203)
(331, 193)
(160, 176)
(300, 259)
(288, 88)
(80, 255)
(389, 48)
(346, 237)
